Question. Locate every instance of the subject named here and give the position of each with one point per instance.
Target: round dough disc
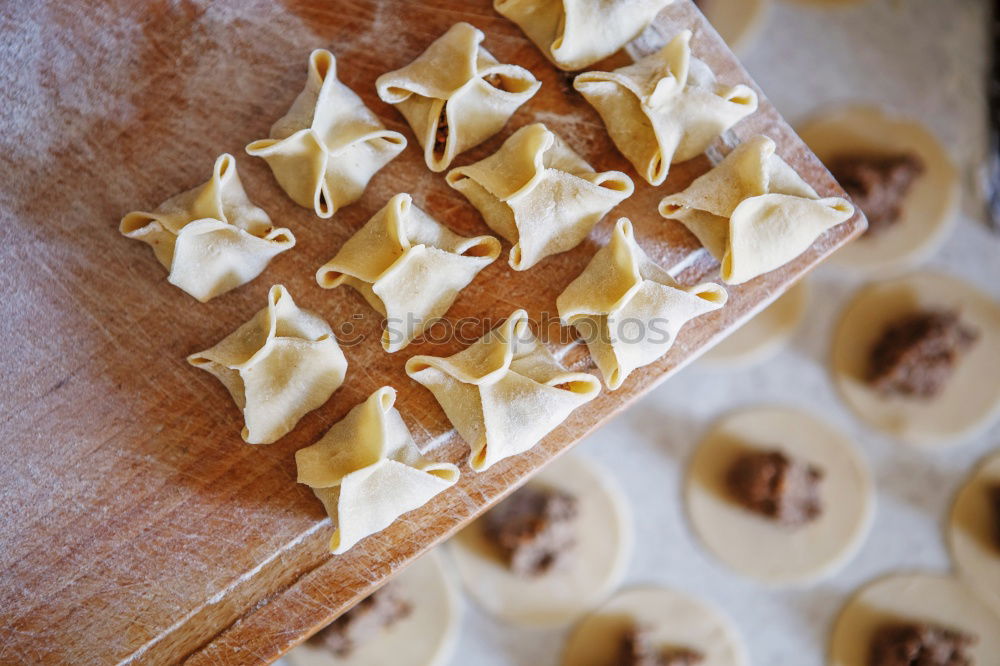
(756, 546)
(930, 208)
(970, 399)
(972, 532)
(603, 547)
(738, 22)
(674, 618)
(936, 598)
(764, 334)
(425, 637)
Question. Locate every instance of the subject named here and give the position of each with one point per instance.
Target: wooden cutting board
(136, 526)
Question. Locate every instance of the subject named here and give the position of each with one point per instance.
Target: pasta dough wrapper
(505, 392)
(211, 238)
(665, 108)
(576, 33)
(280, 365)
(753, 212)
(536, 192)
(449, 79)
(629, 310)
(367, 471)
(408, 266)
(326, 149)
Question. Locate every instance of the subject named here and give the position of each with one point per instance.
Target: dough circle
(738, 22)
(972, 532)
(425, 637)
(674, 618)
(971, 398)
(755, 546)
(765, 334)
(936, 598)
(603, 548)
(931, 205)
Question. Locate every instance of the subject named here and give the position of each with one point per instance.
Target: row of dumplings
(505, 392)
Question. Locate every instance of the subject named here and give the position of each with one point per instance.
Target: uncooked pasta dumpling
(455, 95)
(505, 392)
(326, 149)
(665, 108)
(211, 238)
(408, 266)
(627, 309)
(753, 212)
(536, 192)
(576, 33)
(367, 470)
(280, 365)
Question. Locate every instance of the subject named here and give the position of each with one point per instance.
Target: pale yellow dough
(408, 266)
(973, 534)
(449, 77)
(665, 108)
(931, 205)
(279, 366)
(211, 238)
(576, 33)
(536, 192)
(675, 619)
(738, 22)
(627, 309)
(756, 546)
(368, 471)
(935, 598)
(326, 149)
(971, 398)
(425, 637)
(505, 392)
(753, 212)
(595, 567)
(765, 334)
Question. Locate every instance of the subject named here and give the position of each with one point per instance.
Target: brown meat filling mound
(364, 622)
(636, 649)
(878, 185)
(533, 530)
(774, 485)
(995, 505)
(920, 644)
(916, 355)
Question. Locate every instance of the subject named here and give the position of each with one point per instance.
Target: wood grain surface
(135, 525)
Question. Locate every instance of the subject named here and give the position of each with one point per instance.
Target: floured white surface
(924, 45)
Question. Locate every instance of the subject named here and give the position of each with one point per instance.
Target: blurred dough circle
(766, 333)
(969, 400)
(935, 598)
(602, 551)
(674, 619)
(974, 534)
(738, 22)
(756, 546)
(425, 637)
(931, 204)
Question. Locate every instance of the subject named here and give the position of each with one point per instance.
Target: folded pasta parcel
(627, 309)
(753, 212)
(280, 365)
(455, 95)
(211, 238)
(665, 108)
(408, 266)
(367, 471)
(505, 392)
(326, 149)
(536, 192)
(576, 33)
